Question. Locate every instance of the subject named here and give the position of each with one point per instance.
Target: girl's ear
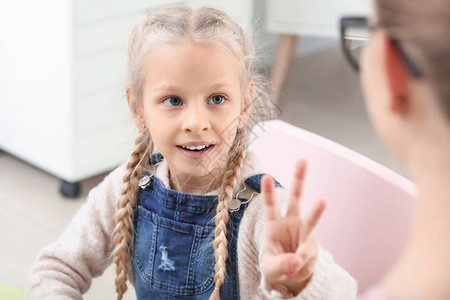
(248, 99)
(397, 76)
(137, 118)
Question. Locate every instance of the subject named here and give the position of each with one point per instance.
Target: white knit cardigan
(65, 268)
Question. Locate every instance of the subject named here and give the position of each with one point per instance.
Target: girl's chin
(200, 166)
(202, 171)
(196, 179)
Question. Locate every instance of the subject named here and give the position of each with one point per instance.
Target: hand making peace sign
(290, 251)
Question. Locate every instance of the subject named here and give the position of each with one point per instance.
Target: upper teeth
(195, 147)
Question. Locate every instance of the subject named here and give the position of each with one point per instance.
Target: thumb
(274, 266)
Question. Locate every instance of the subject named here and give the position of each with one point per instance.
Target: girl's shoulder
(252, 224)
(107, 193)
(255, 207)
(110, 187)
(112, 182)
(252, 172)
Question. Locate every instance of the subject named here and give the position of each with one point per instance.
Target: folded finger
(276, 266)
(308, 250)
(306, 271)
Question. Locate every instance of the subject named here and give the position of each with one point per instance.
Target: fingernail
(303, 255)
(293, 263)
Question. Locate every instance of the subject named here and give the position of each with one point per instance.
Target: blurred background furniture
(62, 77)
(294, 18)
(368, 218)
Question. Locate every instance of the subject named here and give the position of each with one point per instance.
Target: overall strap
(155, 158)
(146, 178)
(255, 182)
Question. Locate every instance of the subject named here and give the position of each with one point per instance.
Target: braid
(180, 24)
(127, 201)
(237, 155)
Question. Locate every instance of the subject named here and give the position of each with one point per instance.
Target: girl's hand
(290, 252)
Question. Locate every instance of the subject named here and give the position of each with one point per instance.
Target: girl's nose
(195, 120)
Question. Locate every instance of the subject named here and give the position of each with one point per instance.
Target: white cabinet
(293, 18)
(312, 17)
(62, 74)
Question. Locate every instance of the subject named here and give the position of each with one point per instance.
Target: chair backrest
(369, 214)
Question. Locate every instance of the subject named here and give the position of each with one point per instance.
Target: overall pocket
(173, 257)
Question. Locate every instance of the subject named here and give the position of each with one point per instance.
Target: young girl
(406, 80)
(185, 223)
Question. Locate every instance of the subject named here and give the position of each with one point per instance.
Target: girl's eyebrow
(167, 88)
(176, 88)
(222, 84)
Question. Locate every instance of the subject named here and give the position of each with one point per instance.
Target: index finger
(271, 211)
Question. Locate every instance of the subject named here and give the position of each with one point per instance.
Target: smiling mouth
(198, 148)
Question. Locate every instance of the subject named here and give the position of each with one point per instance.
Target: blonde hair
(423, 28)
(201, 26)
(124, 214)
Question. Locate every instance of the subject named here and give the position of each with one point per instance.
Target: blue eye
(217, 99)
(172, 101)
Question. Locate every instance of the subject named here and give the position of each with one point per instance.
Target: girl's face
(192, 100)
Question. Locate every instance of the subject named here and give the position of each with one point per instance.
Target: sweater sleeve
(329, 281)
(65, 268)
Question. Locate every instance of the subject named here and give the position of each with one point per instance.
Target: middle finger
(294, 204)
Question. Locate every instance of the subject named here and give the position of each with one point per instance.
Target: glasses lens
(355, 33)
(354, 48)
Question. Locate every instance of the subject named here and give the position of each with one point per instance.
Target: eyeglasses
(355, 33)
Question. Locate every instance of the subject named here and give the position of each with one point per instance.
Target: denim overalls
(173, 256)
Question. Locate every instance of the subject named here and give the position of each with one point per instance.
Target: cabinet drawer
(87, 11)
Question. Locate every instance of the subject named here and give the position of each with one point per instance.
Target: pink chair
(368, 218)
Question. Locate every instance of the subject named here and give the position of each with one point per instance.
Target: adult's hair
(423, 28)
